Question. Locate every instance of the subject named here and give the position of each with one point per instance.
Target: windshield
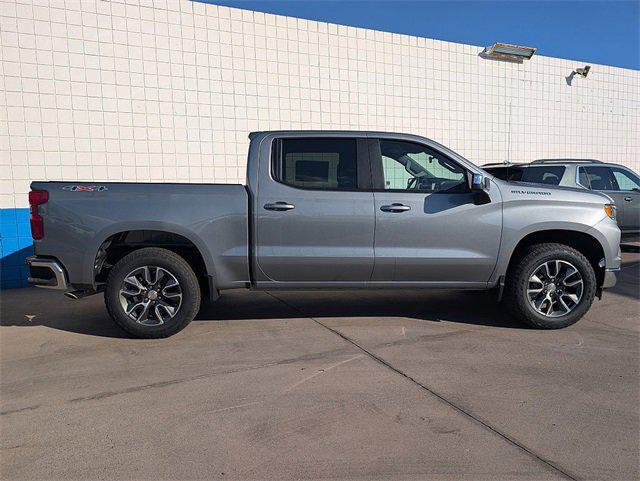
(542, 174)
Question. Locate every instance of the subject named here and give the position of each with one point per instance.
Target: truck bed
(79, 216)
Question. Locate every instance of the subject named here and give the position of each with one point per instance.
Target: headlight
(611, 211)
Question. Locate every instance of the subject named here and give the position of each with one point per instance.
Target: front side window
(414, 167)
(597, 178)
(626, 180)
(318, 163)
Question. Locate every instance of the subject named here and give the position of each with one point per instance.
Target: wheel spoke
(142, 306)
(172, 295)
(569, 272)
(164, 311)
(149, 276)
(563, 304)
(558, 269)
(573, 283)
(539, 302)
(131, 283)
(144, 315)
(574, 297)
(549, 309)
(535, 279)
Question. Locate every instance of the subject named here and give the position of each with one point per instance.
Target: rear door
(314, 211)
(430, 228)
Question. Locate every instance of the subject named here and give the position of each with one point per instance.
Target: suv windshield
(539, 174)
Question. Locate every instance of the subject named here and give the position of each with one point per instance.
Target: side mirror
(480, 183)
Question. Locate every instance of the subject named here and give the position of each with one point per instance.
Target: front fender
(512, 237)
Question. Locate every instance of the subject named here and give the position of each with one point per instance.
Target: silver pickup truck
(325, 210)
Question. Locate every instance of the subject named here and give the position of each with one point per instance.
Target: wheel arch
(583, 242)
(118, 242)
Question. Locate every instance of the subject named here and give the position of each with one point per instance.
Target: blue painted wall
(15, 245)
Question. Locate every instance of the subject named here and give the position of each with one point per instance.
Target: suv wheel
(551, 287)
(152, 293)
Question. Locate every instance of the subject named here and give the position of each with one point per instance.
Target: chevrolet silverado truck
(325, 210)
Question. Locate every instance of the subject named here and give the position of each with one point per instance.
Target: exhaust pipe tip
(79, 294)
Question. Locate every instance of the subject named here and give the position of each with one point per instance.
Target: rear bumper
(47, 273)
(609, 278)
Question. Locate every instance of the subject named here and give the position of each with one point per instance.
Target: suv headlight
(611, 211)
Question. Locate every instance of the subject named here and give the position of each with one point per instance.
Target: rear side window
(330, 164)
(547, 174)
(597, 178)
(583, 178)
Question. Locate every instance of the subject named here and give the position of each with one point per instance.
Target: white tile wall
(167, 90)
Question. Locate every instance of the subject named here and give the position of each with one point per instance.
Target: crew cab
(325, 210)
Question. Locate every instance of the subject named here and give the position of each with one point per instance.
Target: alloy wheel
(555, 288)
(150, 295)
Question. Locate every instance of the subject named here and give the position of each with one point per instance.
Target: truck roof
(333, 132)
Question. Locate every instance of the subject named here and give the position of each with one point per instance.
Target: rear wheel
(152, 293)
(551, 286)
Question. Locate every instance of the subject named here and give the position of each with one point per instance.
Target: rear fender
(88, 273)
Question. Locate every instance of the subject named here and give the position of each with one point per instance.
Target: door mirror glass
(480, 183)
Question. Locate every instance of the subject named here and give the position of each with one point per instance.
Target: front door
(314, 212)
(623, 186)
(429, 226)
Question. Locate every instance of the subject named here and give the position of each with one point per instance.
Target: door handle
(395, 208)
(627, 199)
(279, 206)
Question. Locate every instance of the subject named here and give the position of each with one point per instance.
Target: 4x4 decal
(85, 188)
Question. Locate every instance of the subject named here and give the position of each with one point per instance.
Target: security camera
(583, 72)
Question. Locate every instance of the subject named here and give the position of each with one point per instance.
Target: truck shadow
(477, 308)
(33, 307)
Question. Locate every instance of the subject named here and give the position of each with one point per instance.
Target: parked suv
(617, 181)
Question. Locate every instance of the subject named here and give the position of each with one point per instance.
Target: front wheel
(551, 287)
(152, 293)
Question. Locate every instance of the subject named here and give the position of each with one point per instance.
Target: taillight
(36, 198)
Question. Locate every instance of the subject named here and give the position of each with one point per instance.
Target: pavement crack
(322, 371)
(19, 410)
(170, 382)
(461, 410)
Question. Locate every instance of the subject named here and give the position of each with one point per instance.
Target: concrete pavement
(335, 385)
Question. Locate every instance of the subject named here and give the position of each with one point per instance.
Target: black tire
(517, 283)
(174, 264)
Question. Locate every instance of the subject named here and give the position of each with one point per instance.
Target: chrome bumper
(47, 273)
